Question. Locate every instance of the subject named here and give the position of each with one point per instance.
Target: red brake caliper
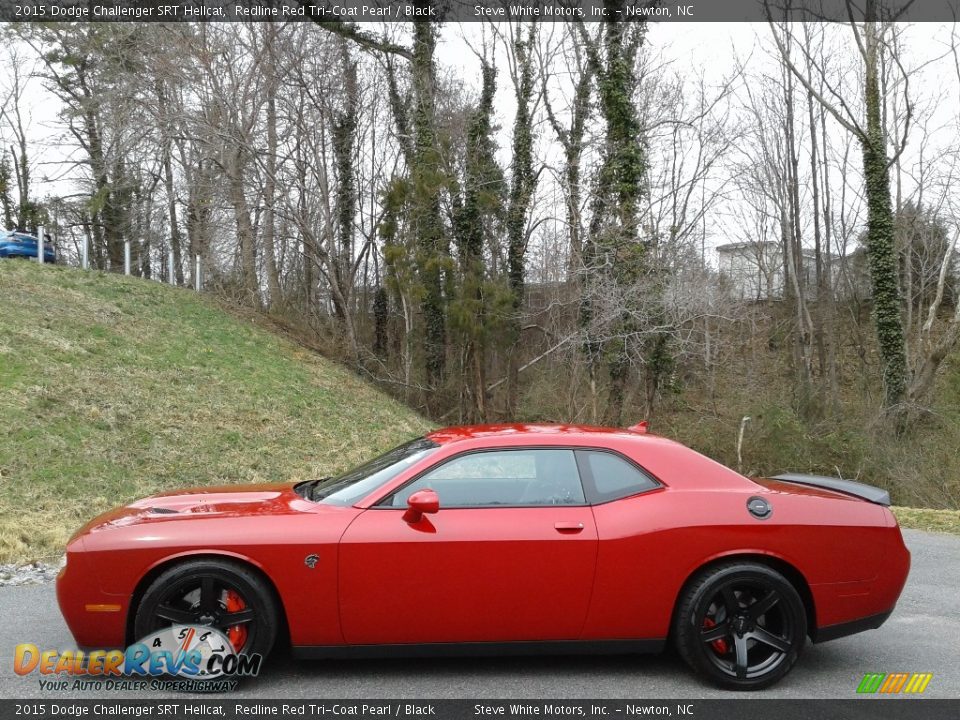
(720, 645)
(237, 634)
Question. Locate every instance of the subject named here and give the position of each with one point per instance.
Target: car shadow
(467, 676)
(561, 676)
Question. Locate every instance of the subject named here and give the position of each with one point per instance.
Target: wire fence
(84, 260)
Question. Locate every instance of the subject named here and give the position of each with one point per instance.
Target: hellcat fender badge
(311, 561)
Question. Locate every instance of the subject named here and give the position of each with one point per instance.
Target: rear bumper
(845, 608)
(832, 632)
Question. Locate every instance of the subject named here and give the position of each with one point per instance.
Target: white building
(754, 270)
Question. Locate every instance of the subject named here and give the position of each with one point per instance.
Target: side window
(522, 477)
(609, 476)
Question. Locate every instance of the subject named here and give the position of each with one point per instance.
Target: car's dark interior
(509, 478)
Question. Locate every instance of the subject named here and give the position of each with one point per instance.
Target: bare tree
(872, 135)
(25, 215)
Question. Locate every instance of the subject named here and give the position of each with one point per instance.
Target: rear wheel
(212, 593)
(741, 625)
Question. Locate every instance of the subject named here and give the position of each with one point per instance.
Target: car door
(27, 246)
(509, 556)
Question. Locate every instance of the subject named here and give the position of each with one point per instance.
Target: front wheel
(213, 593)
(741, 625)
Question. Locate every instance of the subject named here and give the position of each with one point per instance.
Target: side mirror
(420, 503)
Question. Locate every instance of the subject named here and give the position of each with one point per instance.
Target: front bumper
(96, 619)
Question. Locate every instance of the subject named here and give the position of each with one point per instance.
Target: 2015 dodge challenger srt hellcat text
(503, 538)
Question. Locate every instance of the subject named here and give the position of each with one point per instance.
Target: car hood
(210, 503)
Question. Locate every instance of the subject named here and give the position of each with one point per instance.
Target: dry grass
(112, 388)
(947, 521)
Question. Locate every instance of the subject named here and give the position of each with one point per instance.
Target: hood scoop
(163, 511)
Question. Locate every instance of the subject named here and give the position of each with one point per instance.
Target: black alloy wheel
(211, 593)
(741, 625)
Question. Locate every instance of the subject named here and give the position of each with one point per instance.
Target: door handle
(568, 527)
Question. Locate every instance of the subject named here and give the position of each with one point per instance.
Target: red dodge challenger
(503, 539)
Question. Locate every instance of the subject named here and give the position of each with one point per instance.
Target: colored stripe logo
(892, 683)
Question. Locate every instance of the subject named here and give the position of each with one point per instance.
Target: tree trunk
(794, 264)
(175, 242)
(426, 211)
(881, 250)
(270, 182)
(341, 255)
(521, 194)
(5, 196)
(108, 233)
(614, 230)
(479, 207)
(241, 211)
(829, 301)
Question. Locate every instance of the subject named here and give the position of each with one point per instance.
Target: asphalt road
(923, 635)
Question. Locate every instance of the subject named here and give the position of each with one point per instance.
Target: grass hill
(112, 388)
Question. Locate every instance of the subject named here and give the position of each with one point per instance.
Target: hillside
(112, 388)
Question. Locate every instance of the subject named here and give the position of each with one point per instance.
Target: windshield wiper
(310, 487)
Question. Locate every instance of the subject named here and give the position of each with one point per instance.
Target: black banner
(361, 11)
(753, 708)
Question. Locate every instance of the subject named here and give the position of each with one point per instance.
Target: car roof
(16, 234)
(667, 460)
(574, 434)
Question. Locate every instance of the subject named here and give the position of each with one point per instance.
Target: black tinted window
(612, 476)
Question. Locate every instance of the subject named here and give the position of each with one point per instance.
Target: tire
(179, 595)
(741, 625)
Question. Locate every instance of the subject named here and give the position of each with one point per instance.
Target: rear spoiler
(847, 487)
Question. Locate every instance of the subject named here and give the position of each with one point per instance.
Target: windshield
(352, 486)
